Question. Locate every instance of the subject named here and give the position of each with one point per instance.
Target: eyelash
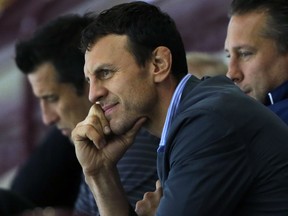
(244, 54)
(105, 74)
(51, 99)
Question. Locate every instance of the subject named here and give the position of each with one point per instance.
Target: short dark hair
(146, 28)
(277, 18)
(57, 42)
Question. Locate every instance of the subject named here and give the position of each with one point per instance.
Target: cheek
(66, 110)
(257, 76)
(253, 71)
(146, 99)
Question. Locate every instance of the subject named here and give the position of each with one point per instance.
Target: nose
(96, 91)
(234, 71)
(49, 116)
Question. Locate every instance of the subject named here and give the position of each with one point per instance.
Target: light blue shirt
(171, 111)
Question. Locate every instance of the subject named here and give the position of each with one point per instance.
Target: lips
(108, 108)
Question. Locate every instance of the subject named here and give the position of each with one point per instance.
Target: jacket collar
(277, 94)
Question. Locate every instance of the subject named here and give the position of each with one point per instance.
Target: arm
(98, 151)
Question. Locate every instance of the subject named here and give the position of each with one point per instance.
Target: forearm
(108, 192)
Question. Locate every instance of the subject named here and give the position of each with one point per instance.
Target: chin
(120, 128)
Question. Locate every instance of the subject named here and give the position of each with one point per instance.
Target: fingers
(96, 110)
(149, 204)
(95, 129)
(92, 129)
(86, 133)
(142, 208)
(158, 184)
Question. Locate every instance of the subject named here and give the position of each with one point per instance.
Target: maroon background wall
(202, 24)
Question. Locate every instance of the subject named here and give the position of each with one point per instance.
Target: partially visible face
(60, 105)
(255, 64)
(124, 90)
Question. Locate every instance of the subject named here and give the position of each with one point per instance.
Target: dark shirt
(52, 174)
(13, 204)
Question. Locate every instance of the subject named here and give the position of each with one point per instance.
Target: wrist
(108, 192)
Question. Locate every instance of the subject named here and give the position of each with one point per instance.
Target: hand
(96, 145)
(149, 204)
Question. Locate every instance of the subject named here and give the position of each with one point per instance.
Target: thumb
(125, 140)
(130, 135)
(158, 184)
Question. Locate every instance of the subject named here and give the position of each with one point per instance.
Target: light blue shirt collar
(171, 111)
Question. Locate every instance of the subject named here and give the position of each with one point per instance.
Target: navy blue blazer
(226, 154)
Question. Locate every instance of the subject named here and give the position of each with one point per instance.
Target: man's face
(124, 90)
(60, 105)
(255, 64)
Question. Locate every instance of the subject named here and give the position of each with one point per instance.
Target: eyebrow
(240, 47)
(101, 67)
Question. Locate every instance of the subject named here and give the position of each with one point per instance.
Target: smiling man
(218, 154)
(53, 63)
(257, 48)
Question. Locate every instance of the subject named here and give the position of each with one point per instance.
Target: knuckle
(148, 195)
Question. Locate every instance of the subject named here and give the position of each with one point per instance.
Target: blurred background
(202, 24)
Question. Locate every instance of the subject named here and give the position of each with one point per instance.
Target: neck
(157, 119)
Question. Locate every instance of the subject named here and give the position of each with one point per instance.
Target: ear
(162, 61)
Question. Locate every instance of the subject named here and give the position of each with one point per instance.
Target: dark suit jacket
(226, 154)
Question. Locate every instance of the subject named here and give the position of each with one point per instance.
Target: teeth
(97, 102)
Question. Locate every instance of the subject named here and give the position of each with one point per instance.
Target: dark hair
(57, 42)
(146, 27)
(277, 18)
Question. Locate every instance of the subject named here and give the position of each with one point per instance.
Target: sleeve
(207, 167)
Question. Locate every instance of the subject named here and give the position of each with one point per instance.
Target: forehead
(45, 72)
(107, 50)
(246, 27)
(43, 80)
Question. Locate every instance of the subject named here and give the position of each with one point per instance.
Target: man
(257, 47)
(53, 63)
(218, 154)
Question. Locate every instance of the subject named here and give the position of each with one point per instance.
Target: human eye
(244, 53)
(51, 98)
(227, 55)
(105, 73)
